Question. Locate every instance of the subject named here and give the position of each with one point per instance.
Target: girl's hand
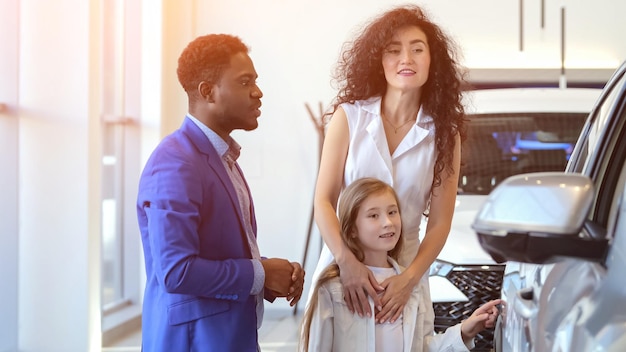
(398, 289)
(358, 282)
(483, 317)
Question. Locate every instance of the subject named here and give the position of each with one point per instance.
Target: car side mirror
(538, 218)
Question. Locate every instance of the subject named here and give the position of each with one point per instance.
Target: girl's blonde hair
(349, 205)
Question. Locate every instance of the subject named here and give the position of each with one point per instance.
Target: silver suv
(563, 236)
(510, 131)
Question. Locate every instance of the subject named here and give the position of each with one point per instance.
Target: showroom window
(120, 157)
(112, 158)
(112, 216)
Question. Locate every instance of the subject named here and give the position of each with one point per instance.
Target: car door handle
(524, 305)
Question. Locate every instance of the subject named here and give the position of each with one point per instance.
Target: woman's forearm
(328, 226)
(429, 249)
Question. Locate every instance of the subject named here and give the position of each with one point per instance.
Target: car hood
(462, 246)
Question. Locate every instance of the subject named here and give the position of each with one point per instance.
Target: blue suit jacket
(198, 267)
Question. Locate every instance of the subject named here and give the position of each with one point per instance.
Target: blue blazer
(199, 273)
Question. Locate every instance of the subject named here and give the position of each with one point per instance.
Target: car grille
(479, 284)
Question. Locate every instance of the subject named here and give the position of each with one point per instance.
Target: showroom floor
(277, 334)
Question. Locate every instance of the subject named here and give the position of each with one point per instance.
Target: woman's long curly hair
(349, 206)
(359, 76)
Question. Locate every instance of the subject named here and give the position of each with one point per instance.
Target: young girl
(369, 217)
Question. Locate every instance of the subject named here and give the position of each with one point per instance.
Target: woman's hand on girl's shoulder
(398, 290)
(358, 283)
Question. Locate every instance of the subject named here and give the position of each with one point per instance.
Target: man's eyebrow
(248, 75)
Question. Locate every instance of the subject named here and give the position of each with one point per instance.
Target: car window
(617, 201)
(502, 145)
(606, 158)
(606, 172)
(591, 135)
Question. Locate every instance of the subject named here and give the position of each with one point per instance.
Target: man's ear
(205, 89)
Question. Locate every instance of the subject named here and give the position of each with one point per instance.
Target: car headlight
(440, 268)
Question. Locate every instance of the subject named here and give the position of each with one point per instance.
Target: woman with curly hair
(397, 117)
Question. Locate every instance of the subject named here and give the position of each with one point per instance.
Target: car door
(540, 297)
(596, 319)
(576, 294)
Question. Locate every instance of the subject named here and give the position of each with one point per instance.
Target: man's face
(236, 96)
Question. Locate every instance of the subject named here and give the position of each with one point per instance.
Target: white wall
(488, 31)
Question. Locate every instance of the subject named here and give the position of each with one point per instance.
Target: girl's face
(406, 59)
(378, 227)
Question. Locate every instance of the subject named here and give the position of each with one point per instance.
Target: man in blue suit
(205, 277)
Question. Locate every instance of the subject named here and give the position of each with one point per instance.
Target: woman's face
(406, 59)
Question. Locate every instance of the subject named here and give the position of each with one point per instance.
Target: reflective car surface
(563, 236)
(509, 132)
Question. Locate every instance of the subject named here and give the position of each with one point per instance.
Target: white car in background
(509, 131)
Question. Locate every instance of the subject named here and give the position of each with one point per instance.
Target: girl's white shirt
(388, 335)
(335, 328)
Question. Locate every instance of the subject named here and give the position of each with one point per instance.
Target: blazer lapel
(409, 315)
(215, 162)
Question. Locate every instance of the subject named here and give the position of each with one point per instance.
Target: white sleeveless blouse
(409, 170)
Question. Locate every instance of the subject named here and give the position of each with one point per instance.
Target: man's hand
(284, 279)
(278, 274)
(297, 284)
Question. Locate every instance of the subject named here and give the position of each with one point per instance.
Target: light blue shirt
(222, 147)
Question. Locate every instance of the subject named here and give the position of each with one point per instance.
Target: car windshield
(502, 145)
